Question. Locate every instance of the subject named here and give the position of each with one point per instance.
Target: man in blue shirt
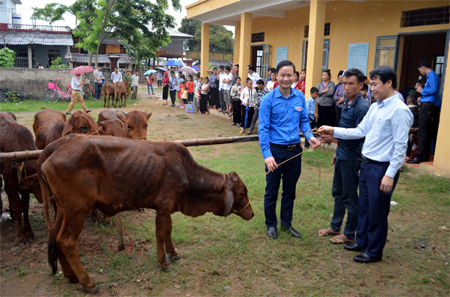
(386, 128)
(282, 113)
(430, 97)
(173, 87)
(347, 160)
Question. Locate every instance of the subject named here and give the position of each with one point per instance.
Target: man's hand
(326, 138)
(316, 114)
(333, 159)
(271, 164)
(419, 87)
(83, 81)
(387, 183)
(314, 142)
(342, 100)
(326, 130)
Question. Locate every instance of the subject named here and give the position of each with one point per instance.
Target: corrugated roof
(175, 33)
(84, 58)
(24, 38)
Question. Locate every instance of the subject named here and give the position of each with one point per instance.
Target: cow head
(236, 198)
(81, 123)
(113, 128)
(135, 123)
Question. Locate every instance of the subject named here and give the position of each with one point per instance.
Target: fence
(22, 62)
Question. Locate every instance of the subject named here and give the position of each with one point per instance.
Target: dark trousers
(254, 119)
(236, 111)
(190, 97)
(289, 173)
(247, 118)
(223, 106)
(98, 90)
(173, 96)
(345, 194)
(203, 103)
(374, 207)
(425, 121)
(214, 97)
(338, 112)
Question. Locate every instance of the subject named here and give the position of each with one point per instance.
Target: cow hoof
(176, 258)
(141, 210)
(167, 268)
(93, 290)
(73, 280)
(107, 224)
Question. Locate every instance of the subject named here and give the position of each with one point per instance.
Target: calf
(80, 123)
(82, 173)
(15, 137)
(135, 122)
(48, 126)
(108, 92)
(121, 93)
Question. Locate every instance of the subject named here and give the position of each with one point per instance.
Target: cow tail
(47, 196)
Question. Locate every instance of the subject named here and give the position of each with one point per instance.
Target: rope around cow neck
(22, 169)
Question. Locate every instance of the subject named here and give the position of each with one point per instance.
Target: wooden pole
(22, 156)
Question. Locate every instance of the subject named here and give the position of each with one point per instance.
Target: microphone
(419, 80)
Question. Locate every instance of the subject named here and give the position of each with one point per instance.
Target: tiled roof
(83, 58)
(24, 38)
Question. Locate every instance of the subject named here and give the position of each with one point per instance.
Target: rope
(129, 250)
(308, 150)
(21, 170)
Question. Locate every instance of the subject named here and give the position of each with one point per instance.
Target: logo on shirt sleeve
(298, 108)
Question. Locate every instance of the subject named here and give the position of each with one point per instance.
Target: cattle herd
(111, 167)
(118, 91)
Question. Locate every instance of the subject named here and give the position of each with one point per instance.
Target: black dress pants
(425, 121)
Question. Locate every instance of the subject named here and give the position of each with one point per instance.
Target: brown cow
(48, 126)
(108, 92)
(135, 122)
(80, 123)
(15, 137)
(121, 93)
(82, 173)
(112, 128)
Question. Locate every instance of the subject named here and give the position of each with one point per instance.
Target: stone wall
(33, 82)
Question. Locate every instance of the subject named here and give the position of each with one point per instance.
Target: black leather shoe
(68, 113)
(88, 111)
(272, 232)
(353, 247)
(414, 161)
(363, 258)
(292, 231)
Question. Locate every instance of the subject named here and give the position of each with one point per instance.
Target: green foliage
(12, 96)
(51, 13)
(220, 39)
(7, 58)
(22, 272)
(57, 63)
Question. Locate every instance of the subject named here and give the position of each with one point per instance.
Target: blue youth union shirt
(280, 119)
(430, 92)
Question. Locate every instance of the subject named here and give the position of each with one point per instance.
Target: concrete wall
(33, 82)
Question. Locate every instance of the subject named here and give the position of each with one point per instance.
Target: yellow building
(319, 34)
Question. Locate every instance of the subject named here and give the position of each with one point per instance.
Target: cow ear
(68, 129)
(121, 116)
(229, 198)
(148, 115)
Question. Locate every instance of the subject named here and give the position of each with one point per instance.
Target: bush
(7, 58)
(57, 63)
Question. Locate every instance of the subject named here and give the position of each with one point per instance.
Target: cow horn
(229, 198)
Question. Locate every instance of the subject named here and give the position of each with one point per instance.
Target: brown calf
(15, 137)
(108, 92)
(82, 173)
(121, 93)
(48, 126)
(80, 123)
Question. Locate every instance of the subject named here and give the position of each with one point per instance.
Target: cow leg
(95, 215)
(27, 231)
(67, 240)
(169, 244)
(162, 231)
(125, 102)
(16, 205)
(106, 220)
(67, 270)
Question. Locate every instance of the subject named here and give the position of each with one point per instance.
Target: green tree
(7, 58)
(141, 23)
(56, 63)
(220, 39)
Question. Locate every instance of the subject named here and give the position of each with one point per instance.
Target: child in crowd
(204, 95)
(248, 99)
(272, 81)
(197, 87)
(261, 92)
(311, 109)
(190, 89)
(296, 79)
(235, 94)
(184, 94)
(301, 83)
(150, 84)
(365, 94)
(413, 143)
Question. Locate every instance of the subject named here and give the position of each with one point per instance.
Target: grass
(35, 105)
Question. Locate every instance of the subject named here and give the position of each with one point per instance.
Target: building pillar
(205, 50)
(314, 61)
(30, 56)
(441, 161)
(244, 44)
(237, 39)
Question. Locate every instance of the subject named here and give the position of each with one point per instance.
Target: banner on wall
(358, 54)
(282, 54)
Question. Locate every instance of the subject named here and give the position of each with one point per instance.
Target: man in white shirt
(248, 99)
(253, 75)
(76, 94)
(227, 82)
(98, 76)
(116, 76)
(135, 83)
(220, 77)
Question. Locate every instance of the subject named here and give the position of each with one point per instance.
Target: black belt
(427, 103)
(369, 161)
(290, 147)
